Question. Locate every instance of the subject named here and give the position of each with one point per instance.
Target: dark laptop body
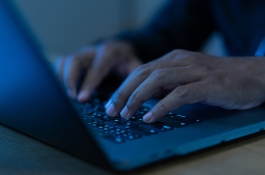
(34, 102)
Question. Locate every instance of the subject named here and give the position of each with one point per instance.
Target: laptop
(34, 102)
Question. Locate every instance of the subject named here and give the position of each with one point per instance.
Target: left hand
(230, 83)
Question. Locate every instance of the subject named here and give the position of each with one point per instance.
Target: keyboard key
(159, 126)
(198, 120)
(145, 130)
(184, 118)
(124, 134)
(104, 128)
(189, 120)
(95, 124)
(176, 116)
(129, 135)
(88, 119)
(117, 121)
(116, 131)
(137, 119)
(103, 118)
(128, 125)
(171, 113)
(172, 122)
(90, 113)
(140, 113)
(116, 139)
(144, 108)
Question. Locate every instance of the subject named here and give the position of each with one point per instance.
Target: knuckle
(134, 100)
(176, 52)
(192, 58)
(159, 74)
(180, 91)
(162, 106)
(119, 95)
(142, 70)
(134, 97)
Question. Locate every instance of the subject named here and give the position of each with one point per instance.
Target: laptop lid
(31, 99)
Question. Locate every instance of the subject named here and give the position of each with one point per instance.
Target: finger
(186, 94)
(59, 66)
(120, 97)
(168, 78)
(100, 67)
(72, 69)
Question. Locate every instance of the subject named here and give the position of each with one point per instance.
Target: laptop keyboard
(120, 130)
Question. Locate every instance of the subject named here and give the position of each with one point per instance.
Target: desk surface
(21, 155)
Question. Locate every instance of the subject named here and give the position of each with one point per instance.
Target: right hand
(97, 61)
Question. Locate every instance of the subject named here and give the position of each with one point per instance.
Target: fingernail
(107, 104)
(71, 93)
(83, 96)
(111, 110)
(147, 117)
(124, 112)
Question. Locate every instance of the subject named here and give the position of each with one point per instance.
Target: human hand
(97, 61)
(230, 83)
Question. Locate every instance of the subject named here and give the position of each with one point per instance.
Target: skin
(191, 77)
(97, 62)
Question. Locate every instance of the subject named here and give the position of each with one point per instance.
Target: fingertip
(124, 113)
(148, 117)
(83, 96)
(111, 110)
(107, 104)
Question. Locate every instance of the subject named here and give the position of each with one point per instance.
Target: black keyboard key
(99, 108)
(116, 139)
(159, 126)
(140, 113)
(144, 108)
(129, 135)
(88, 105)
(104, 128)
(94, 124)
(128, 125)
(90, 113)
(103, 117)
(88, 119)
(144, 130)
(125, 134)
(172, 122)
(117, 121)
(189, 120)
(116, 132)
(97, 101)
(184, 118)
(137, 119)
(176, 116)
(198, 120)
